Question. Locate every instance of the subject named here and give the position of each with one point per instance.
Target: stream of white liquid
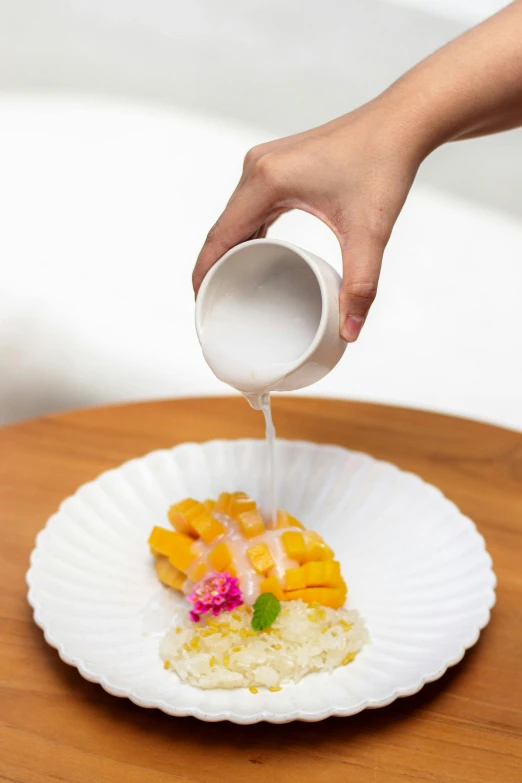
(261, 402)
(254, 326)
(250, 581)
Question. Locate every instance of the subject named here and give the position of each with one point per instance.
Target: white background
(122, 130)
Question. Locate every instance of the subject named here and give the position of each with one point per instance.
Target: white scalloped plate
(417, 570)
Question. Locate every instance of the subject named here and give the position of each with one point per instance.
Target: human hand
(353, 174)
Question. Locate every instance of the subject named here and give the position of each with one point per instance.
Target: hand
(353, 173)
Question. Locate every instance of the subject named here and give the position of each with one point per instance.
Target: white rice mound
(224, 651)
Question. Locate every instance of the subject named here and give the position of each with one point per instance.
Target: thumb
(362, 258)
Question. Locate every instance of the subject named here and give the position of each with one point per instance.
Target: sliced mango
(207, 527)
(271, 584)
(198, 571)
(240, 503)
(181, 515)
(332, 574)
(294, 545)
(220, 557)
(316, 549)
(295, 578)
(334, 597)
(182, 554)
(193, 518)
(284, 519)
(161, 541)
(251, 523)
(261, 558)
(314, 574)
(223, 503)
(169, 575)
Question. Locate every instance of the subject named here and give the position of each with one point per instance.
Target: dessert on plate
(264, 597)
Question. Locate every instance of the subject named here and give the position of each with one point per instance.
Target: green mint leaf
(266, 609)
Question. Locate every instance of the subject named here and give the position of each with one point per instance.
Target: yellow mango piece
(334, 597)
(295, 578)
(251, 523)
(181, 515)
(209, 504)
(261, 558)
(161, 541)
(284, 519)
(169, 575)
(271, 584)
(181, 554)
(316, 549)
(240, 502)
(332, 574)
(198, 571)
(294, 545)
(314, 574)
(220, 557)
(223, 503)
(207, 527)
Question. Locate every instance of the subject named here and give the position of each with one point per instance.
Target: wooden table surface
(55, 726)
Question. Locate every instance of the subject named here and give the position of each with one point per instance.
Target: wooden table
(55, 726)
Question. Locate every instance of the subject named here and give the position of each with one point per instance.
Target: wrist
(415, 117)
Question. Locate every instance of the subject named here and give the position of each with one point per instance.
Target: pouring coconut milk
(267, 320)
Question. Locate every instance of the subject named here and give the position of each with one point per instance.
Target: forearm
(470, 87)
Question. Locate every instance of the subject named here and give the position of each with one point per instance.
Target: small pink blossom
(216, 593)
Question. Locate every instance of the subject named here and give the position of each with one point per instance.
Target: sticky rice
(224, 651)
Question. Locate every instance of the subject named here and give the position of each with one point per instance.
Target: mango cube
(240, 502)
(316, 549)
(182, 554)
(198, 571)
(334, 597)
(295, 578)
(284, 519)
(194, 519)
(271, 585)
(261, 558)
(161, 541)
(181, 515)
(294, 545)
(314, 574)
(251, 523)
(220, 557)
(223, 503)
(169, 575)
(332, 574)
(207, 527)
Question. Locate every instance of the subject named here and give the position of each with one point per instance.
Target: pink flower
(216, 593)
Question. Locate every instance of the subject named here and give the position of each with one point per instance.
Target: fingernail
(352, 327)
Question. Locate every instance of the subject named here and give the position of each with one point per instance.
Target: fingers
(263, 230)
(362, 258)
(244, 215)
(249, 213)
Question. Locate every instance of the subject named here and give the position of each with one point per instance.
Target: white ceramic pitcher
(267, 317)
